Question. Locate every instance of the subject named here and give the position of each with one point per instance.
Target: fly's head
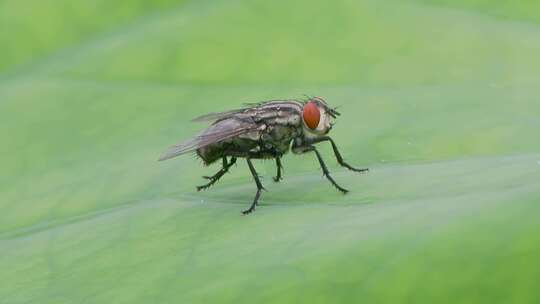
(317, 117)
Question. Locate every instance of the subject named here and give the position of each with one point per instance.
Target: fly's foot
(203, 187)
(338, 187)
(363, 170)
(255, 202)
(248, 211)
(344, 164)
(341, 189)
(212, 179)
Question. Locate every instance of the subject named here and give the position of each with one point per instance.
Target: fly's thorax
(254, 135)
(279, 137)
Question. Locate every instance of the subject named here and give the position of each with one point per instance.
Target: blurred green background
(440, 100)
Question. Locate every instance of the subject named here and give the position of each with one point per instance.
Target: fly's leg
(337, 154)
(326, 173)
(214, 178)
(278, 177)
(259, 187)
(223, 170)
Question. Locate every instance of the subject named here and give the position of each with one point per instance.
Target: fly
(265, 130)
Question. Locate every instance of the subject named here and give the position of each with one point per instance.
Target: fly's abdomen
(210, 153)
(238, 147)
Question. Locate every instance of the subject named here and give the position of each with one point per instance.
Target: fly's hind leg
(278, 177)
(259, 187)
(214, 178)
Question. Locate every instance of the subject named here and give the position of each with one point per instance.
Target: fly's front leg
(278, 177)
(337, 154)
(214, 178)
(259, 187)
(303, 149)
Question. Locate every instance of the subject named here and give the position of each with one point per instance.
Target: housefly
(265, 130)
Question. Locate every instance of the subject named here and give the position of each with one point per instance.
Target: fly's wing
(216, 116)
(219, 131)
(249, 108)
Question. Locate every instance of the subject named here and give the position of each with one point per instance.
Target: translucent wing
(253, 106)
(216, 116)
(219, 131)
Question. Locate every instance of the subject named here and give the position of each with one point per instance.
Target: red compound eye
(311, 115)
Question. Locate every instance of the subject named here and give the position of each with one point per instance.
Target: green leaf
(439, 102)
